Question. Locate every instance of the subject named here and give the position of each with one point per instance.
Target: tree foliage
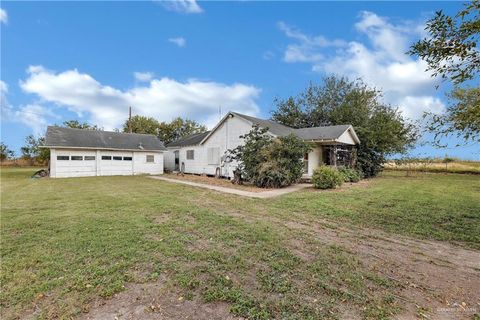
(141, 124)
(451, 51)
(31, 150)
(166, 131)
(381, 128)
(461, 118)
(179, 128)
(5, 152)
(75, 124)
(269, 162)
(451, 47)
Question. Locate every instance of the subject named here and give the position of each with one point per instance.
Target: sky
(90, 61)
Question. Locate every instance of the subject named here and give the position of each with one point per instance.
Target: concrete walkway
(261, 195)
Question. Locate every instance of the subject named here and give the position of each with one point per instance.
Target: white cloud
(143, 76)
(182, 6)
(3, 88)
(307, 48)
(381, 61)
(3, 16)
(163, 98)
(179, 41)
(413, 107)
(33, 116)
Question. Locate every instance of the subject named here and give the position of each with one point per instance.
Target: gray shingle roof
(274, 127)
(191, 140)
(81, 138)
(321, 133)
(313, 133)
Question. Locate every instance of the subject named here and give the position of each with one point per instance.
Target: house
(80, 153)
(205, 153)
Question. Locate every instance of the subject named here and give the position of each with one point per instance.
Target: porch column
(334, 156)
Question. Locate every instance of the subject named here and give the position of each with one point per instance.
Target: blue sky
(91, 60)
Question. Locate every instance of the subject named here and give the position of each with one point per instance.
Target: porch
(336, 155)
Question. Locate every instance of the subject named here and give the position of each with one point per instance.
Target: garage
(86, 153)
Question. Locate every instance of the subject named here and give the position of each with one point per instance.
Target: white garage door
(75, 164)
(116, 163)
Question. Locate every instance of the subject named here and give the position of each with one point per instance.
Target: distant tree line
(166, 131)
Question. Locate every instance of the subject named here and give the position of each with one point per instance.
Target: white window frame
(148, 157)
(213, 156)
(192, 154)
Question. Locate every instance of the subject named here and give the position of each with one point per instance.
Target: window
(63, 158)
(89, 158)
(213, 155)
(106, 157)
(77, 158)
(127, 158)
(117, 158)
(150, 158)
(190, 154)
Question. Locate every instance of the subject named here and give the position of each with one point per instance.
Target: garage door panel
(116, 167)
(75, 168)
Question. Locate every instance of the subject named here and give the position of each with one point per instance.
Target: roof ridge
(105, 131)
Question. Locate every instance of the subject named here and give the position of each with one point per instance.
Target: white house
(204, 153)
(81, 153)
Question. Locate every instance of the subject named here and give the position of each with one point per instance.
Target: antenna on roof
(219, 113)
(130, 119)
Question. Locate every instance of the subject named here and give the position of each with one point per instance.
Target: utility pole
(130, 119)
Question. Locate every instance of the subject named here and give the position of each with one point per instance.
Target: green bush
(270, 162)
(350, 175)
(326, 178)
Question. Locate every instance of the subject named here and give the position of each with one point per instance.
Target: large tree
(179, 128)
(166, 131)
(141, 124)
(381, 128)
(451, 51)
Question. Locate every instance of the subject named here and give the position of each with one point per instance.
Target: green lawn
(65, 242)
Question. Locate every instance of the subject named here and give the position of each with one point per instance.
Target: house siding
(227, 136)
(314, 159)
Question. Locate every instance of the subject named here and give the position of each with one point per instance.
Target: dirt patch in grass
(433, 279)
(215, 182)
(155, 301)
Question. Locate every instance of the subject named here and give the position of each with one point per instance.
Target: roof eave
(109, 149)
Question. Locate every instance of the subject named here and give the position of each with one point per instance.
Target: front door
(177, 160)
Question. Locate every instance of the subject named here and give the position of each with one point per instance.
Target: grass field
(437, 165)
(66, 242)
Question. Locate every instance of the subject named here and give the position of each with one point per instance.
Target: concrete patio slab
(261, 195)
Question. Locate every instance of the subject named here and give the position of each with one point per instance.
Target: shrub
(350, 175)
(326, 178)
(270, 162)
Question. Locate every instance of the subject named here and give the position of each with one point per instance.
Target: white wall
(314, 159)
(347, 138)
(141, 166)
(99, 167)
(227, 136)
